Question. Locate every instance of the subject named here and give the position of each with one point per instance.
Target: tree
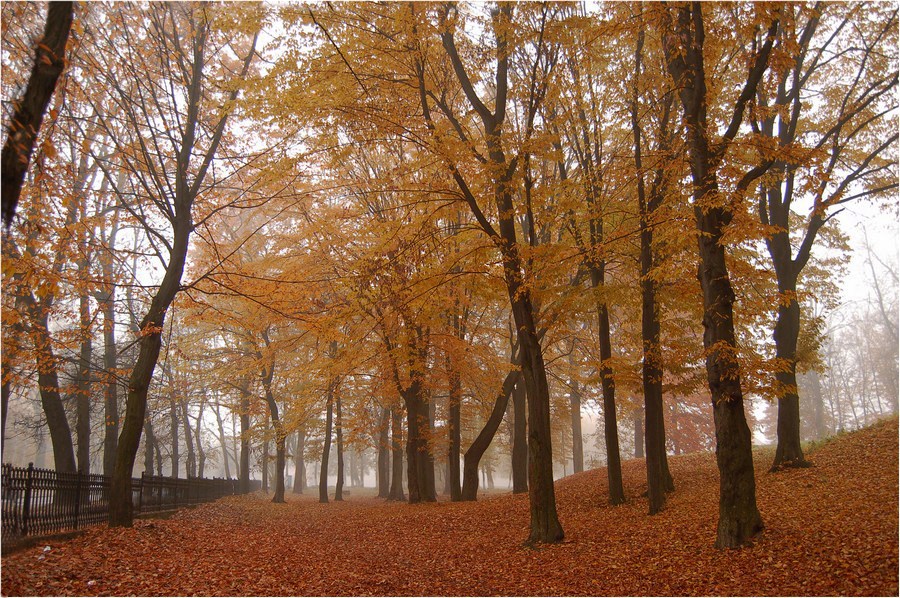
(831, 154)
(187, 34)
(683, 43)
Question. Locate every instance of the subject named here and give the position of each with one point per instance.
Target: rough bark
(149, 445)
(29, 110)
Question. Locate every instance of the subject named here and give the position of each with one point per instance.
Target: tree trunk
(265, 466)
(788, 452)
(83, 389)
(608, 386)
(51, 401)
(326, 450)
(245, 437)
(739, 518)
(222, 440)
(111, 388)
(520, 439)
(384, 456)
(659, 480)
(575, 413)
(339, 484)
(454, 425)
(476, 450)
(638, 433)
(25, 123)
(396, 492)
(299, 463)
(5, 397)
(149, 442)
(191, 464)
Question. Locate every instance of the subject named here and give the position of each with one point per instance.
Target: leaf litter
(831, 529)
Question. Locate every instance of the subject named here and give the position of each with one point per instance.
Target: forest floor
(831, 529)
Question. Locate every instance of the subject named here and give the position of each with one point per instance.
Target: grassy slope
(830, 530)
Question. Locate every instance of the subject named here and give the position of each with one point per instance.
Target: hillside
(830, 530)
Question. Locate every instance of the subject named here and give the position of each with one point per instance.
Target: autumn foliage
(831, 530)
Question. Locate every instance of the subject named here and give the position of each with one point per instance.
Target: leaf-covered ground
(830, 530)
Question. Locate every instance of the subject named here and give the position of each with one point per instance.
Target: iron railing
(43, 501)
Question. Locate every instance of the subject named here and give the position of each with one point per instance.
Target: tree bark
(111, 388)
(326, 449)
(520, 440)
(608, 387)
(191, 463)
(339, 485)
(638, 418)
(222, 441)
(396, 492)
(49, 62)
(299, 462)
(83, 388)
(575, 417)
(384, 455)
(245, 437)
(454, 425)
(149, 442)
(659, 480)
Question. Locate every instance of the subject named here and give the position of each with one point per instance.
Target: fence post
(26, 507)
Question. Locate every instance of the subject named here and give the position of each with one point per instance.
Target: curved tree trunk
(476, 450)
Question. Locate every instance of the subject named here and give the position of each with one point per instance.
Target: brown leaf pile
(830, 530)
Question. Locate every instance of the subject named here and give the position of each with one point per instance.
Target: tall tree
(684, 36)
(176, 44)
(854, 132)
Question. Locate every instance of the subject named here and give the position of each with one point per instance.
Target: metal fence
(41, 501)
